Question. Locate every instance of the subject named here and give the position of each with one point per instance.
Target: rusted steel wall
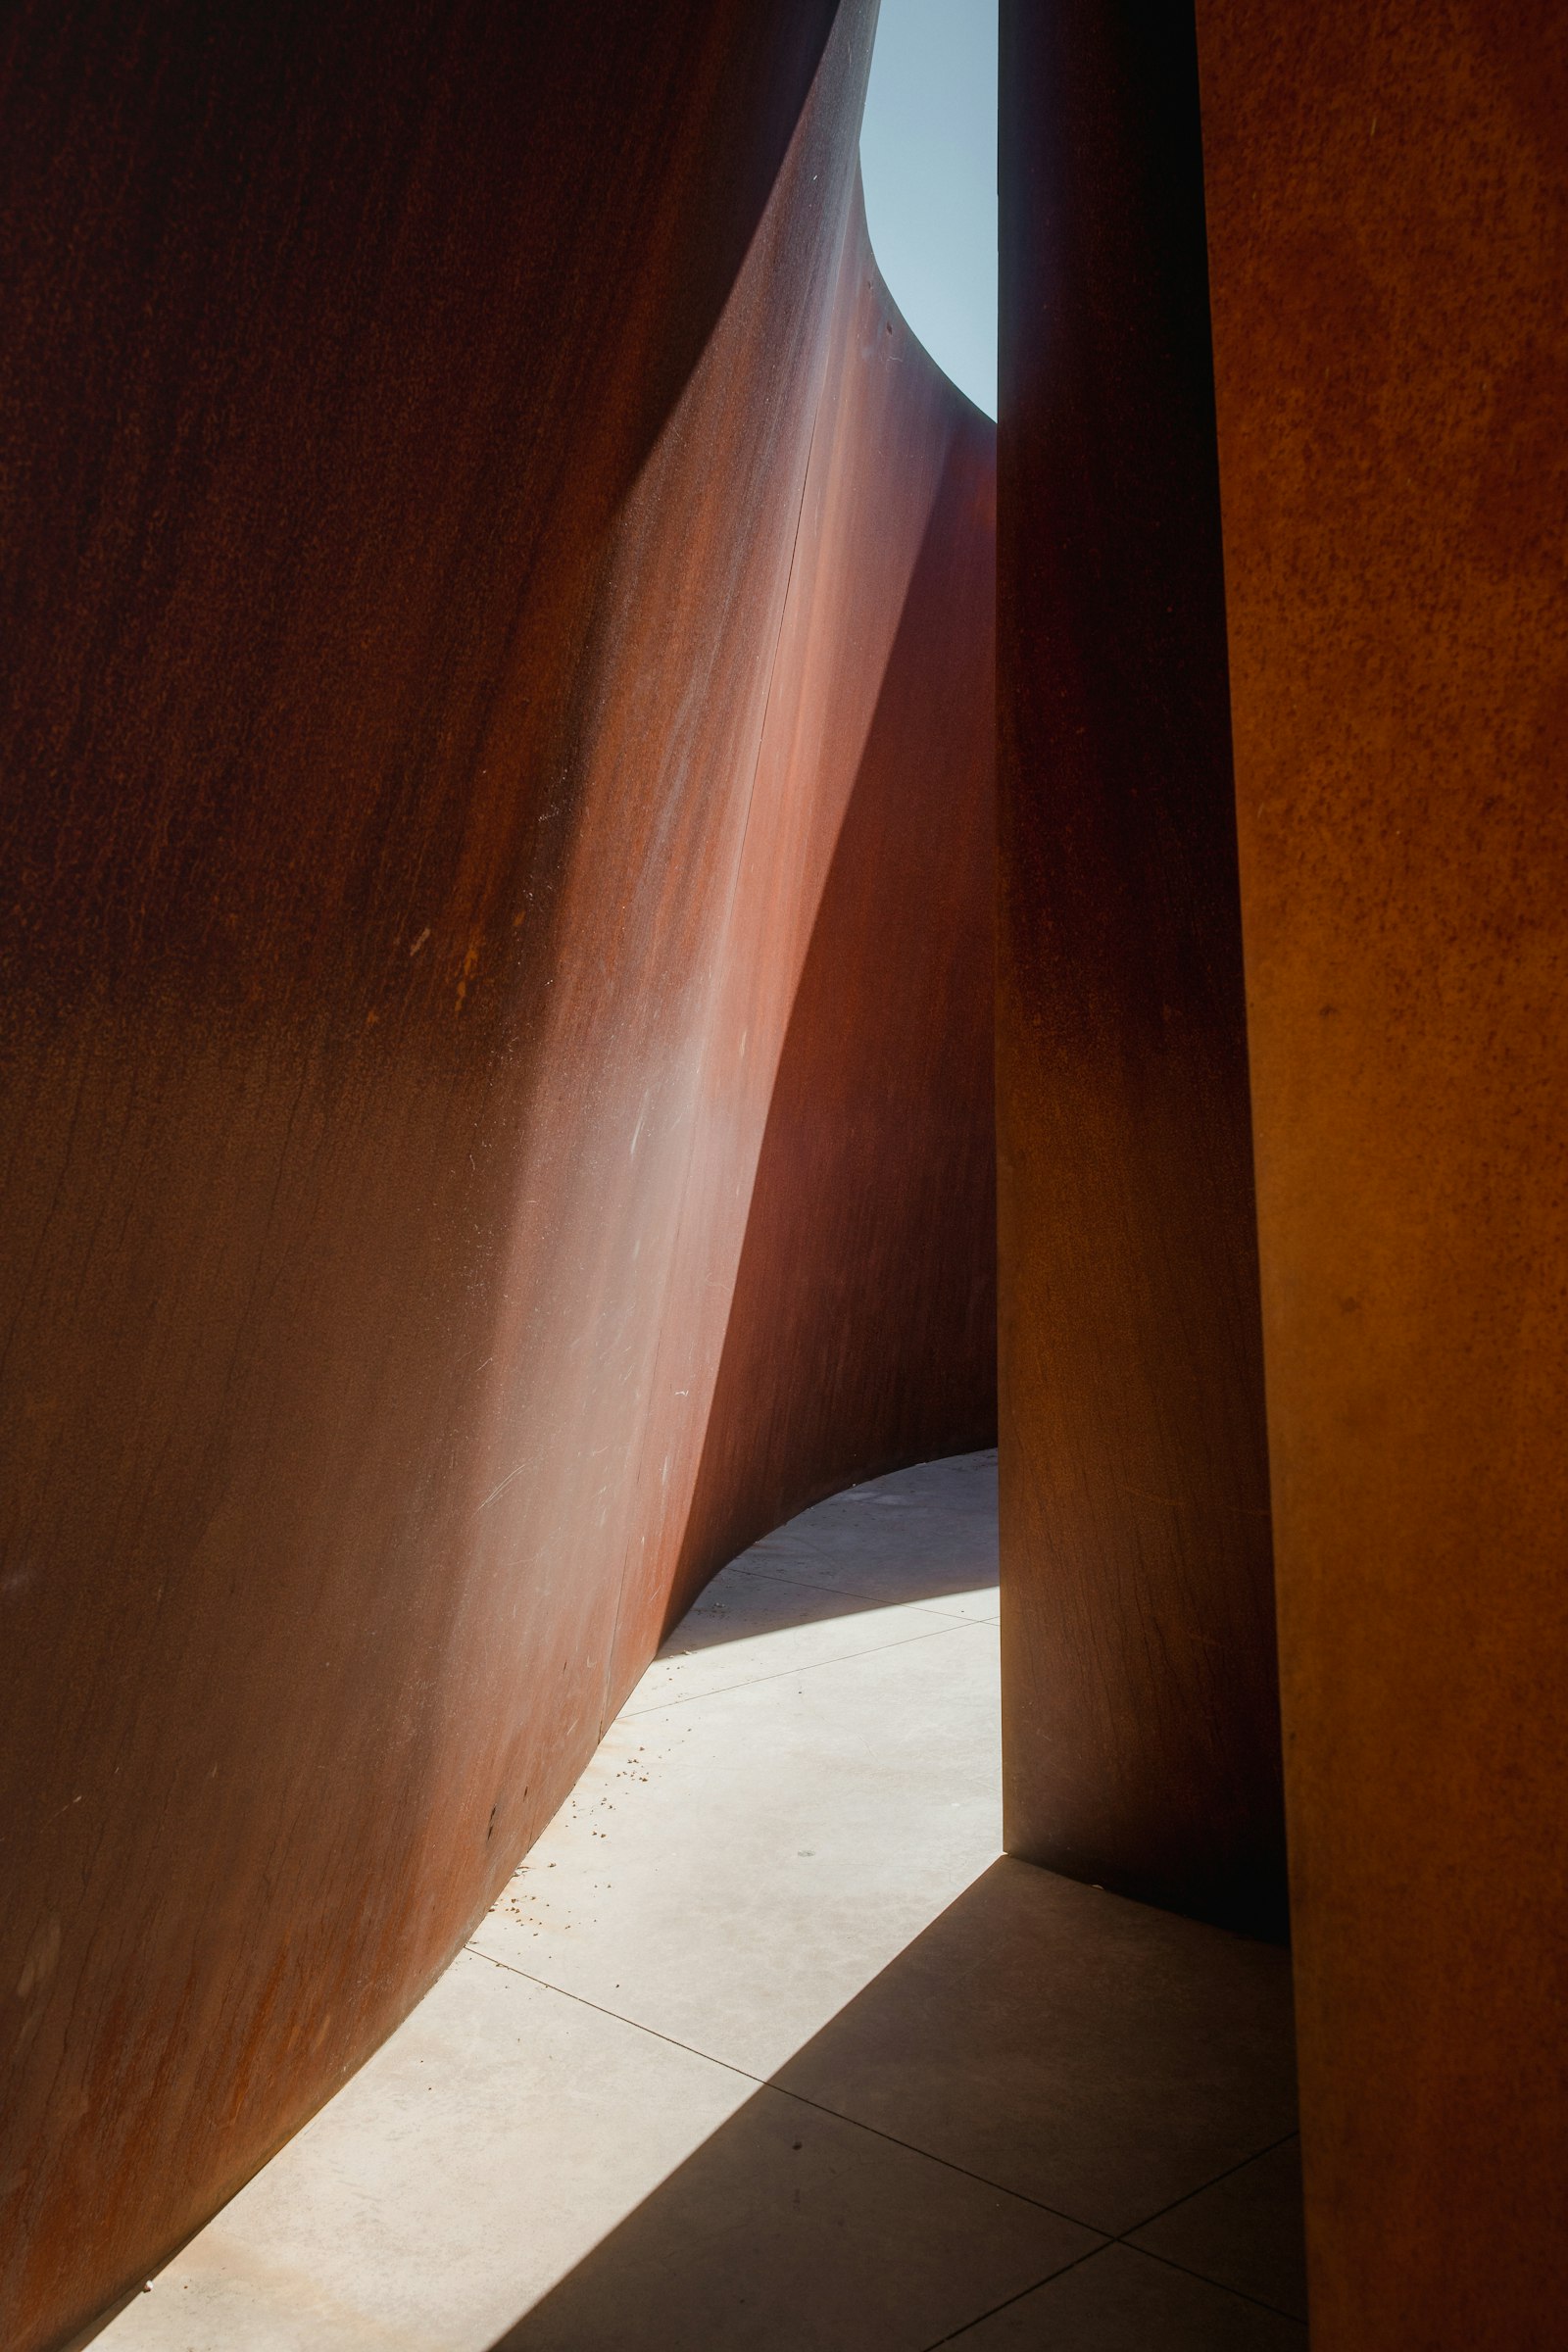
(448, 685)
(1141, 1729)
(878, 1162)
(1388, 190)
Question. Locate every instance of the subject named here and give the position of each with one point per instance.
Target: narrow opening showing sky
(928, 156)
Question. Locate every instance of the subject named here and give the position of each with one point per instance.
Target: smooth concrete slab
(757, 1628)
(518, 2166)
(762, 1853)
(765, 2046)
(1119, 2301)
(884, 1569)
(927, 1535)
(1090, 2052)
(478, 2158)
(819, 1581)
(792, 2230)
(1244, 2231)
(955, 1481)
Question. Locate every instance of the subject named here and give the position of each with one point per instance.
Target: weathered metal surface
(1139, 1708)
(450, 761)
(1388, 192)
(878, 1163)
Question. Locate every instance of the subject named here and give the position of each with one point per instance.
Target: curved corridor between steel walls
(766, 2045)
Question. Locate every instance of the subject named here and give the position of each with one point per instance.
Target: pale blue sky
(928, 156)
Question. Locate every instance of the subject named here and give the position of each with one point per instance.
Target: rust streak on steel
(497, 849)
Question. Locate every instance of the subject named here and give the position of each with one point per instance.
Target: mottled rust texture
(1141, 1729)
(1389, 229)
(446, 700)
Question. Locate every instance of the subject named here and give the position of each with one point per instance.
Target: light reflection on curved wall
(499, 791)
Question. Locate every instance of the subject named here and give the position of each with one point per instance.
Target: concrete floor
(765, 2046)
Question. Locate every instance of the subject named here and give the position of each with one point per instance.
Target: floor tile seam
(868, 1511)
(1203, 2187)
(1124, 2236)
(796, 1584)
(816, 1584)
(619, 2017)
(1019, 2196)
(1106, 2237)
(1201, 2276)
(1275, 2310)
(947, 1616)
(926, 1608)
(960, 1532)
(846, 1658)
(958, 2333)
(769, 2083)
(972, 1510)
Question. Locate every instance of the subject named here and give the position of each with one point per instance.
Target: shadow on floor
(1058, 2119)
(917, 1537)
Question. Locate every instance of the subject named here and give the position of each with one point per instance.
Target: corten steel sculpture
(1388, 207)
(497, 988)
(1139, 1685)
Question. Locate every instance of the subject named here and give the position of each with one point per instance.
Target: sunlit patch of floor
(765, 2046)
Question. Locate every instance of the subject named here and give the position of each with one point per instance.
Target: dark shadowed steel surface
(1389, 227)
(1141, 1730)
(460, 741)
